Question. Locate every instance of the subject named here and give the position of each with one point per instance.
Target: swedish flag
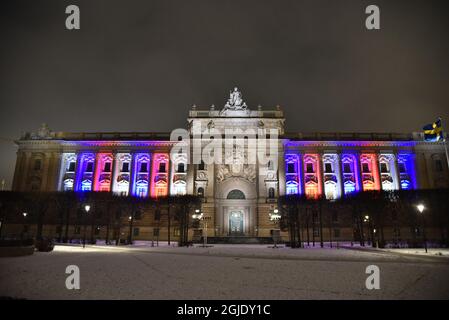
(433, 131)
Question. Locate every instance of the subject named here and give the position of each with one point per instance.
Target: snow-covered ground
(223, 272)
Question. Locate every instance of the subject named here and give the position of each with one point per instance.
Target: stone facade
(238, 197)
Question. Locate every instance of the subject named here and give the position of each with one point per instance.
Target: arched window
(271, 193)
(200, 192)
(236, 194)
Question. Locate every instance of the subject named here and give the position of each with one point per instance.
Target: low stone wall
(16, 251)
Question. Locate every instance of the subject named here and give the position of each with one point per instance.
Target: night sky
(140, 65)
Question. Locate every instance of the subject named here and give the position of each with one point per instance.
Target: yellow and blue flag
(433, 131)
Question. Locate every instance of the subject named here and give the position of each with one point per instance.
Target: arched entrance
(236, 208)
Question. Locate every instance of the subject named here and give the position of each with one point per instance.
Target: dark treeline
(112, 212)
(368, 214)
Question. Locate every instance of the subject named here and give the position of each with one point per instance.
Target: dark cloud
(139, 65)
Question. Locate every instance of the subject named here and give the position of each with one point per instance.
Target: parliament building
(238, 197)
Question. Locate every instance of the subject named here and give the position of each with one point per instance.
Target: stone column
(339, 174)
(113, 171)
(397, 175)
(23, 183)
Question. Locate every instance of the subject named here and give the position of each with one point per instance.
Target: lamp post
(130, 219)
(201, 217)
(24, 214)
(421, 208)
(367, 219)
(87, 209)
(275, 217)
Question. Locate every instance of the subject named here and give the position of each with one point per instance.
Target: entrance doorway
(236, 223)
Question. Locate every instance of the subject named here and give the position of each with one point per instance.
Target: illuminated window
(107, 167)
(68, 185)
(292, 187)
(143, 167)
(290, 168)
(86, 185)
(90, 167)
(349, 187)
(104, 185)
(125, 167)
(141, 188)
(71, 166)
(365, 168)
(330, 190)
(309, 168)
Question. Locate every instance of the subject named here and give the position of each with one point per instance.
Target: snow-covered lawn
(222, 272)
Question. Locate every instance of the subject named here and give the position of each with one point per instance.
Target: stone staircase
(238, 240)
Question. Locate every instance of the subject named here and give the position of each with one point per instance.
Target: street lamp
(275, 217)
(130, 219)
(24, 214)
(421, 208)
(200, 216)
(87, 209)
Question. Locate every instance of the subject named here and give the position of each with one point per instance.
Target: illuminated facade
(237, 197)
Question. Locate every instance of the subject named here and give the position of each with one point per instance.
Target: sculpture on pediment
(236, 170)
(44, 132)
(235, 102)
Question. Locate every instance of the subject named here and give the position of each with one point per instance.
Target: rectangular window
(90, 167)
(37, 164)
(143, 167)
(136, 232)
(384, 168)
(365, 168)
(176, 232)
(97, 231)
(71, 167)
(316, 232)
(201, 165)
(180, 167)
(346, 168)
(156, 232)
(77, 230)
(328, 168)
(125, 167)
(107, 167)
(309, 168)
(438, 165)
(402, 168)
(290, 167)
(162, 167)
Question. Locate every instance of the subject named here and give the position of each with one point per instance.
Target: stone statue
(235, 102)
